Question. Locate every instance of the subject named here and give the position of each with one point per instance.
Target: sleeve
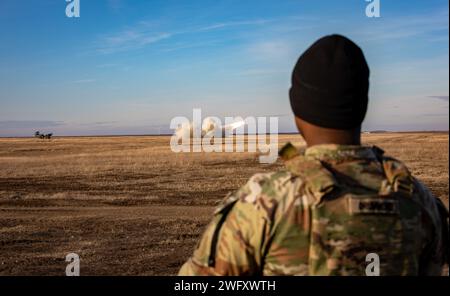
(435, 251)
(234, 240)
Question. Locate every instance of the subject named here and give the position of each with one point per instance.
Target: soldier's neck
(338, 139)
(316, 135)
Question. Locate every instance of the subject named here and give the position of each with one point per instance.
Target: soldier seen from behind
(334, 203)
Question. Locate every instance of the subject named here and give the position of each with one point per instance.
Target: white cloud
(129, 40)
(144, 33)
(234, 24)
(272, 49)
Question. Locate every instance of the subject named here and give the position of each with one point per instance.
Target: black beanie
(330, 84)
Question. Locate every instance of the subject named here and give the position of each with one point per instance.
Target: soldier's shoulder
(300, 175)
(265, 195)
(270, 187)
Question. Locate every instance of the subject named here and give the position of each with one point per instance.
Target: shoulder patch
(398, 178)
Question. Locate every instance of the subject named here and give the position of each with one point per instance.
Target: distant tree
(37, 134)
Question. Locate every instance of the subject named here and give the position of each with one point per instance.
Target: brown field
(130, 206)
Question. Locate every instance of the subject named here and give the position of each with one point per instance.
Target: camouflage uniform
(322, 215)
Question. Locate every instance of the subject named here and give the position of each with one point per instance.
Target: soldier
(336, 202)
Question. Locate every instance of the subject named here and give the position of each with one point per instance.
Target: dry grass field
(130, 206)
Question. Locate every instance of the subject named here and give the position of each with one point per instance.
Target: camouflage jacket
(322, 215)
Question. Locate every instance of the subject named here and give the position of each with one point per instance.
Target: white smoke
(209, 125)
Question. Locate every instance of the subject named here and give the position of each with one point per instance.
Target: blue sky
(130, 66)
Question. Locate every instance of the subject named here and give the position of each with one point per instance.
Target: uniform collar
(340, 152)
(332, 152)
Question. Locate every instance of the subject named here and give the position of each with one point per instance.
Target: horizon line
(246, 134)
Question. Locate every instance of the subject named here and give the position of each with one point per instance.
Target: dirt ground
(130, 206)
